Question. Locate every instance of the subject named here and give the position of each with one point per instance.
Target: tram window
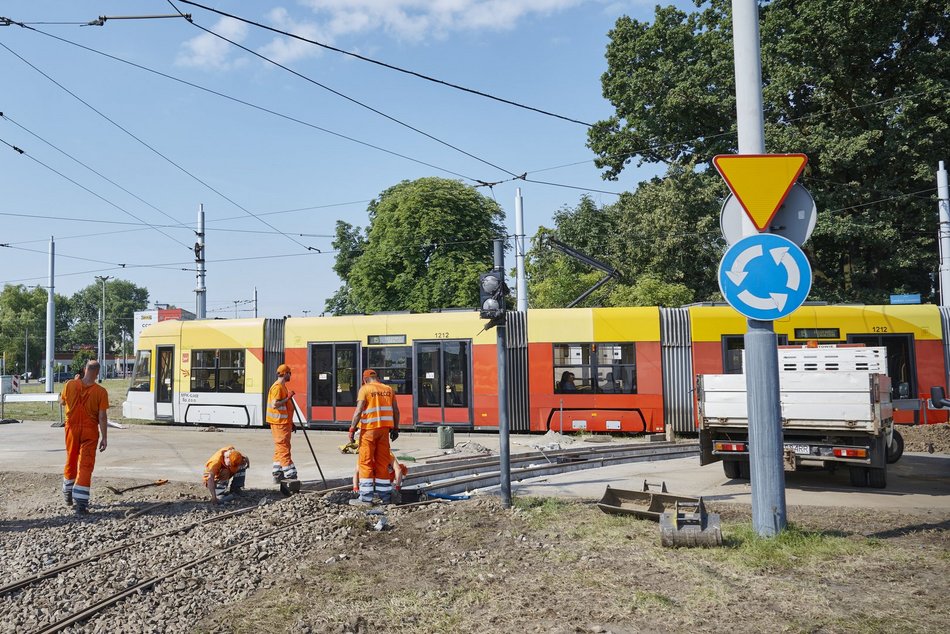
(429, 374)
(142, 374)
(217, 370)
(732, 347)
(595, 368)
(900, 361)
(455, 357)
(393, 365)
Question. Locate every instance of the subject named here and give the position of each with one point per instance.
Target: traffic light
(492, 291)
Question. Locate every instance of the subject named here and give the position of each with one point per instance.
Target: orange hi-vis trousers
(374, 464)
(82, 440)
(283, 463)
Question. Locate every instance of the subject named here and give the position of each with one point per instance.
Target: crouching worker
(397, 472)
(224, 474)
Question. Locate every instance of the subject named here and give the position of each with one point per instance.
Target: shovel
(303, 426)
(157, 483)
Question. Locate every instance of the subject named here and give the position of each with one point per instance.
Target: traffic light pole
(504, 453)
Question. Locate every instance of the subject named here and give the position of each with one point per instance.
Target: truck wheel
(877, 478)
(745, 470)
(731, 469)
(896, 449)
(859, 476)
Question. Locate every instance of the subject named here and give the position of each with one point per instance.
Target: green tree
(660, 239)
(123, 298)
(80, 358)
(23, 327)
(426, 244)
(860, 87)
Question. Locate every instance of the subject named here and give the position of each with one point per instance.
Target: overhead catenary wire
(7, 117)
(352, 100)
(255, 106)
(386, 65)
(99, 196)
(478, 182)
(148, 146)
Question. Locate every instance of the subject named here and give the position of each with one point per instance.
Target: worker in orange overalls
(396, 470)
(377, 415)
(86, 403)
(280, 417)
(224, 473)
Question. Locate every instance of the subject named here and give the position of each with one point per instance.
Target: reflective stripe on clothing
(279, 415)
(379, 406)
(83, 403)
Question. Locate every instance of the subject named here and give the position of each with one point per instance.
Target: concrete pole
(50, 320)
(255, 302)
(504, 450)
(521, 286)
(201, 290)
(943, 206)
(761, 348)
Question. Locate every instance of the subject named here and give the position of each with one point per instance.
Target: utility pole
(943, 207)
(255, 302)
(26, 352)
(521, 285)
(102, 327)
(50, 320)
(200, 290)
(761, 357)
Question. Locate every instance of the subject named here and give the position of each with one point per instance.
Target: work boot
(80, 509)
(68, 496)
(224, 499)
(278, 476)
(236, 491)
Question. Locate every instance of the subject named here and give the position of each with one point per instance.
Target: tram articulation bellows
(689, 525)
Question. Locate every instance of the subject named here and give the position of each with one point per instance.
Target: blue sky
(235, 159)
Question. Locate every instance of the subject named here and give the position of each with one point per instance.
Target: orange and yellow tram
(579, 369)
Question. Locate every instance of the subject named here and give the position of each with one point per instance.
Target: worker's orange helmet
(283, 368)
(235, 459)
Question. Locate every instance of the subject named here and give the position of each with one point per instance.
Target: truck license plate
(800, 450)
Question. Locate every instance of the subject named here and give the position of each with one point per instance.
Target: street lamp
(102, 327)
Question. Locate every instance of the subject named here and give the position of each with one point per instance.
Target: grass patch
(117, 389)
(643, 600)
(793, 548)
(541, 511)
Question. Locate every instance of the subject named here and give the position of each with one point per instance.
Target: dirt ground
(929, 438)
(545, 565)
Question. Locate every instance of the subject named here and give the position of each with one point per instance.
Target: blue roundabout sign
(765, 276)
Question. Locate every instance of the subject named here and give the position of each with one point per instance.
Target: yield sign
(760, 182)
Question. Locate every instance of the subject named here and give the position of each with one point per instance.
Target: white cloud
(208, 51)
(333, 20)
(417, 19)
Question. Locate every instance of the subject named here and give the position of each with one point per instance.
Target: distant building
(145, 318)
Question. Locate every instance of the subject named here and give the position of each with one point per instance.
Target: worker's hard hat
(369, 373)
(283, 368)
(235, 459)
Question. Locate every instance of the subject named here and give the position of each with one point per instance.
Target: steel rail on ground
(447, 477)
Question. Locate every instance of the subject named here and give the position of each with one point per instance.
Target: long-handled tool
(157, 483)
(303, 426)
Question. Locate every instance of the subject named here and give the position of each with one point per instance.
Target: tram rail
(464, 474)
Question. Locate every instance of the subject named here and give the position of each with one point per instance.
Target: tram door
(900, 362)
(334, 381)
(443, 389)
(164, 382)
